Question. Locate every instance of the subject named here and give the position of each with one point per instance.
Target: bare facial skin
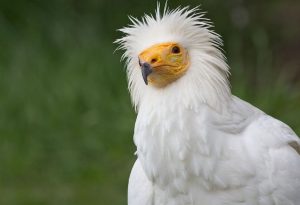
(163, 63)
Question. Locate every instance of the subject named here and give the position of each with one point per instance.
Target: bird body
(239, 157)
(197, 144)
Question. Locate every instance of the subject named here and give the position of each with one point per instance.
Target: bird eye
(153, 60)
(175, 49)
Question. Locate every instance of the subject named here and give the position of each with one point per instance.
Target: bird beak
(146, 69)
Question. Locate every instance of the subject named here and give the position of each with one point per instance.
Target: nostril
(153, 60)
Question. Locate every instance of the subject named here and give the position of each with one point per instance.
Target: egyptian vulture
(197, 144)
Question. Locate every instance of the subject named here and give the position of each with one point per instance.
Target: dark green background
(66, 121)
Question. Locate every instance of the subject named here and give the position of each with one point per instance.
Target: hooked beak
(146, 69)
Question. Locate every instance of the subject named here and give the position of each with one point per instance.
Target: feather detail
(295, 145)
(208, 72)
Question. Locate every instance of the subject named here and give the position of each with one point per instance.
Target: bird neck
(169, 138)
(186, 95)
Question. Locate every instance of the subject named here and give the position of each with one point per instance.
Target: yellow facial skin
(168, 61)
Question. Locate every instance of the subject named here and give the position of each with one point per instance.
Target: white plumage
(196, 143)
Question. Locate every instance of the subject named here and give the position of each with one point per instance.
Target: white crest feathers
(206, 80)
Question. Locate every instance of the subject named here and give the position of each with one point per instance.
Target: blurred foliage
(66, 122)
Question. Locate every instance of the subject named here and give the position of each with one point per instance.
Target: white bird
(197, 144)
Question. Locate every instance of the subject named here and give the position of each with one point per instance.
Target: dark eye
(175, 49)
(153, 60)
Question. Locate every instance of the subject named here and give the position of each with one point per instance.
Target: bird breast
(182, 149)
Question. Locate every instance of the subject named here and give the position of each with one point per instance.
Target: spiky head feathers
(206, 80)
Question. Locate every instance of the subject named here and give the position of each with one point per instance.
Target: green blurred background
(66, 121)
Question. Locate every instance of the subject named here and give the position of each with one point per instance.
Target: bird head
(163, 63)
(174, 55)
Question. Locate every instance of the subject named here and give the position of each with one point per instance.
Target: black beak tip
(145, 78)
(146, 70)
